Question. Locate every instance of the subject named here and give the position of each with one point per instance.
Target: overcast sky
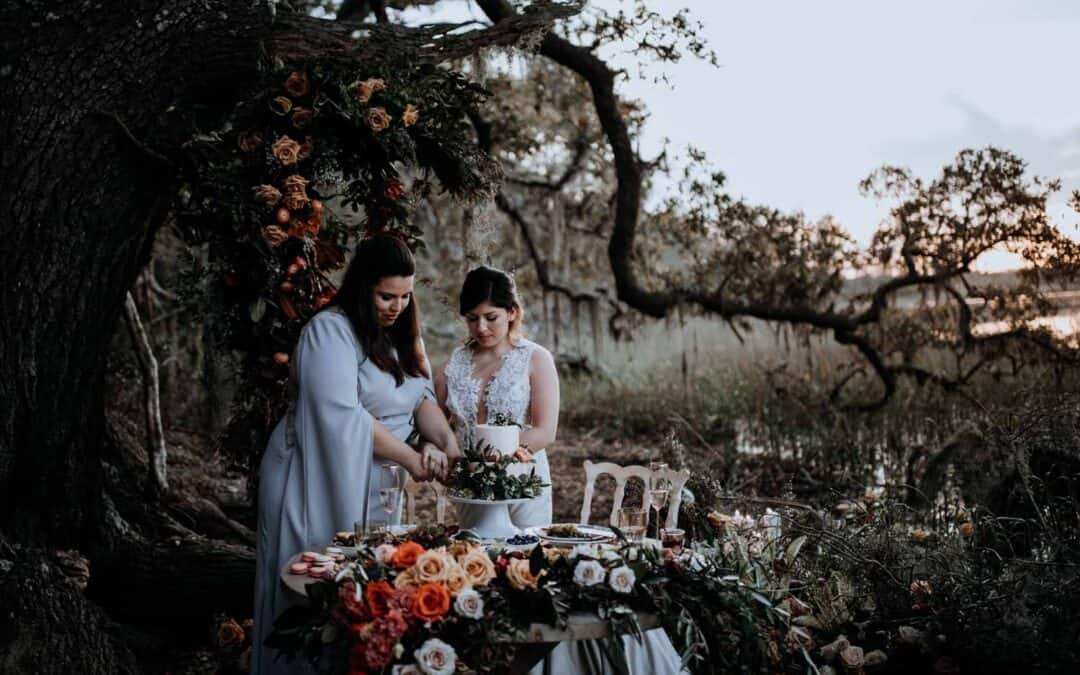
(812, 96)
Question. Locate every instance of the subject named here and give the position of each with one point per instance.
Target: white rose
(384, 552)
(584, 551)
(622, 579)
(588, 573)
(469, 604)
(435, 657)
(610, 555)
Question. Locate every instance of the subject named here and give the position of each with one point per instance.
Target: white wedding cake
(505, 439)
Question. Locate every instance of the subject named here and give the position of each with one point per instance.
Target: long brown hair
(377, 257)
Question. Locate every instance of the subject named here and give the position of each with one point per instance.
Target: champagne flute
(659, 489)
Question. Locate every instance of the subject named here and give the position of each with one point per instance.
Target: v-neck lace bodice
(507, 391)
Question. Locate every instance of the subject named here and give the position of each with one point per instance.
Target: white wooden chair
(593, 470)
(414, 490)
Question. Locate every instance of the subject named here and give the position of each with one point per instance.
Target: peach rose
(306, 148)
(519, 575)
(432, 602)
(229, 633)
(455, 579)
(249, 140)
(407, 554)
(431, 566)
(297, 84)
(461, 547)
(365, 89)
(267, 193)
(478, 567)
(295, 200)
(281, 105)
(378, 119)
(274, 235)
(301, 117)
(286, 150)
(294, 182)
(406, 579)
(410, 116)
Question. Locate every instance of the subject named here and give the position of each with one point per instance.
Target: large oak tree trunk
(83, 193)
(85, 180)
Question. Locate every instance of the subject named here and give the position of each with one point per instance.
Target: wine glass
(659, 489)
(389, 497)
(390, 494)
(632, 521)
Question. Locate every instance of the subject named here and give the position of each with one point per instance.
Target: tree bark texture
(83, 194)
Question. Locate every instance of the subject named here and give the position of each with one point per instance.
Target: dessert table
(539, 638)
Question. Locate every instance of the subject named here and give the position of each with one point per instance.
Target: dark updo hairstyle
(377, 257)
(487, 284)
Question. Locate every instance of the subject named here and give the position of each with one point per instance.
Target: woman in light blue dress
(361, 386)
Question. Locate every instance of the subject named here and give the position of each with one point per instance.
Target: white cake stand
(492, 516)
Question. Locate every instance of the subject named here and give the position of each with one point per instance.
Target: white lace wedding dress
(509, 392)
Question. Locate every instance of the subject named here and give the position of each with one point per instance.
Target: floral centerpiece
(436, 604)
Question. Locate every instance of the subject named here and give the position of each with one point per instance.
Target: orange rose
(378, 595)
(378, 119)
(297, 84)
(432, 602)
(411, 114)
(286, 150)
(406, 555)
(478, 567)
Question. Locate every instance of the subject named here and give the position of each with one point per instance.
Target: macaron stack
(318, 565)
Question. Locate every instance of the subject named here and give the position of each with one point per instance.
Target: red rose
(353, 605)
(378, 595)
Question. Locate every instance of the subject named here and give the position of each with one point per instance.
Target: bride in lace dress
(498, 371)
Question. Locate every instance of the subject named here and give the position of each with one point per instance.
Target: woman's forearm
(388, 447)
(537, 438)
(433, 427)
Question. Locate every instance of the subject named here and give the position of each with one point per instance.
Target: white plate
(597, 534)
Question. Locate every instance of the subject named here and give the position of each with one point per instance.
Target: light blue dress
(319, 473)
